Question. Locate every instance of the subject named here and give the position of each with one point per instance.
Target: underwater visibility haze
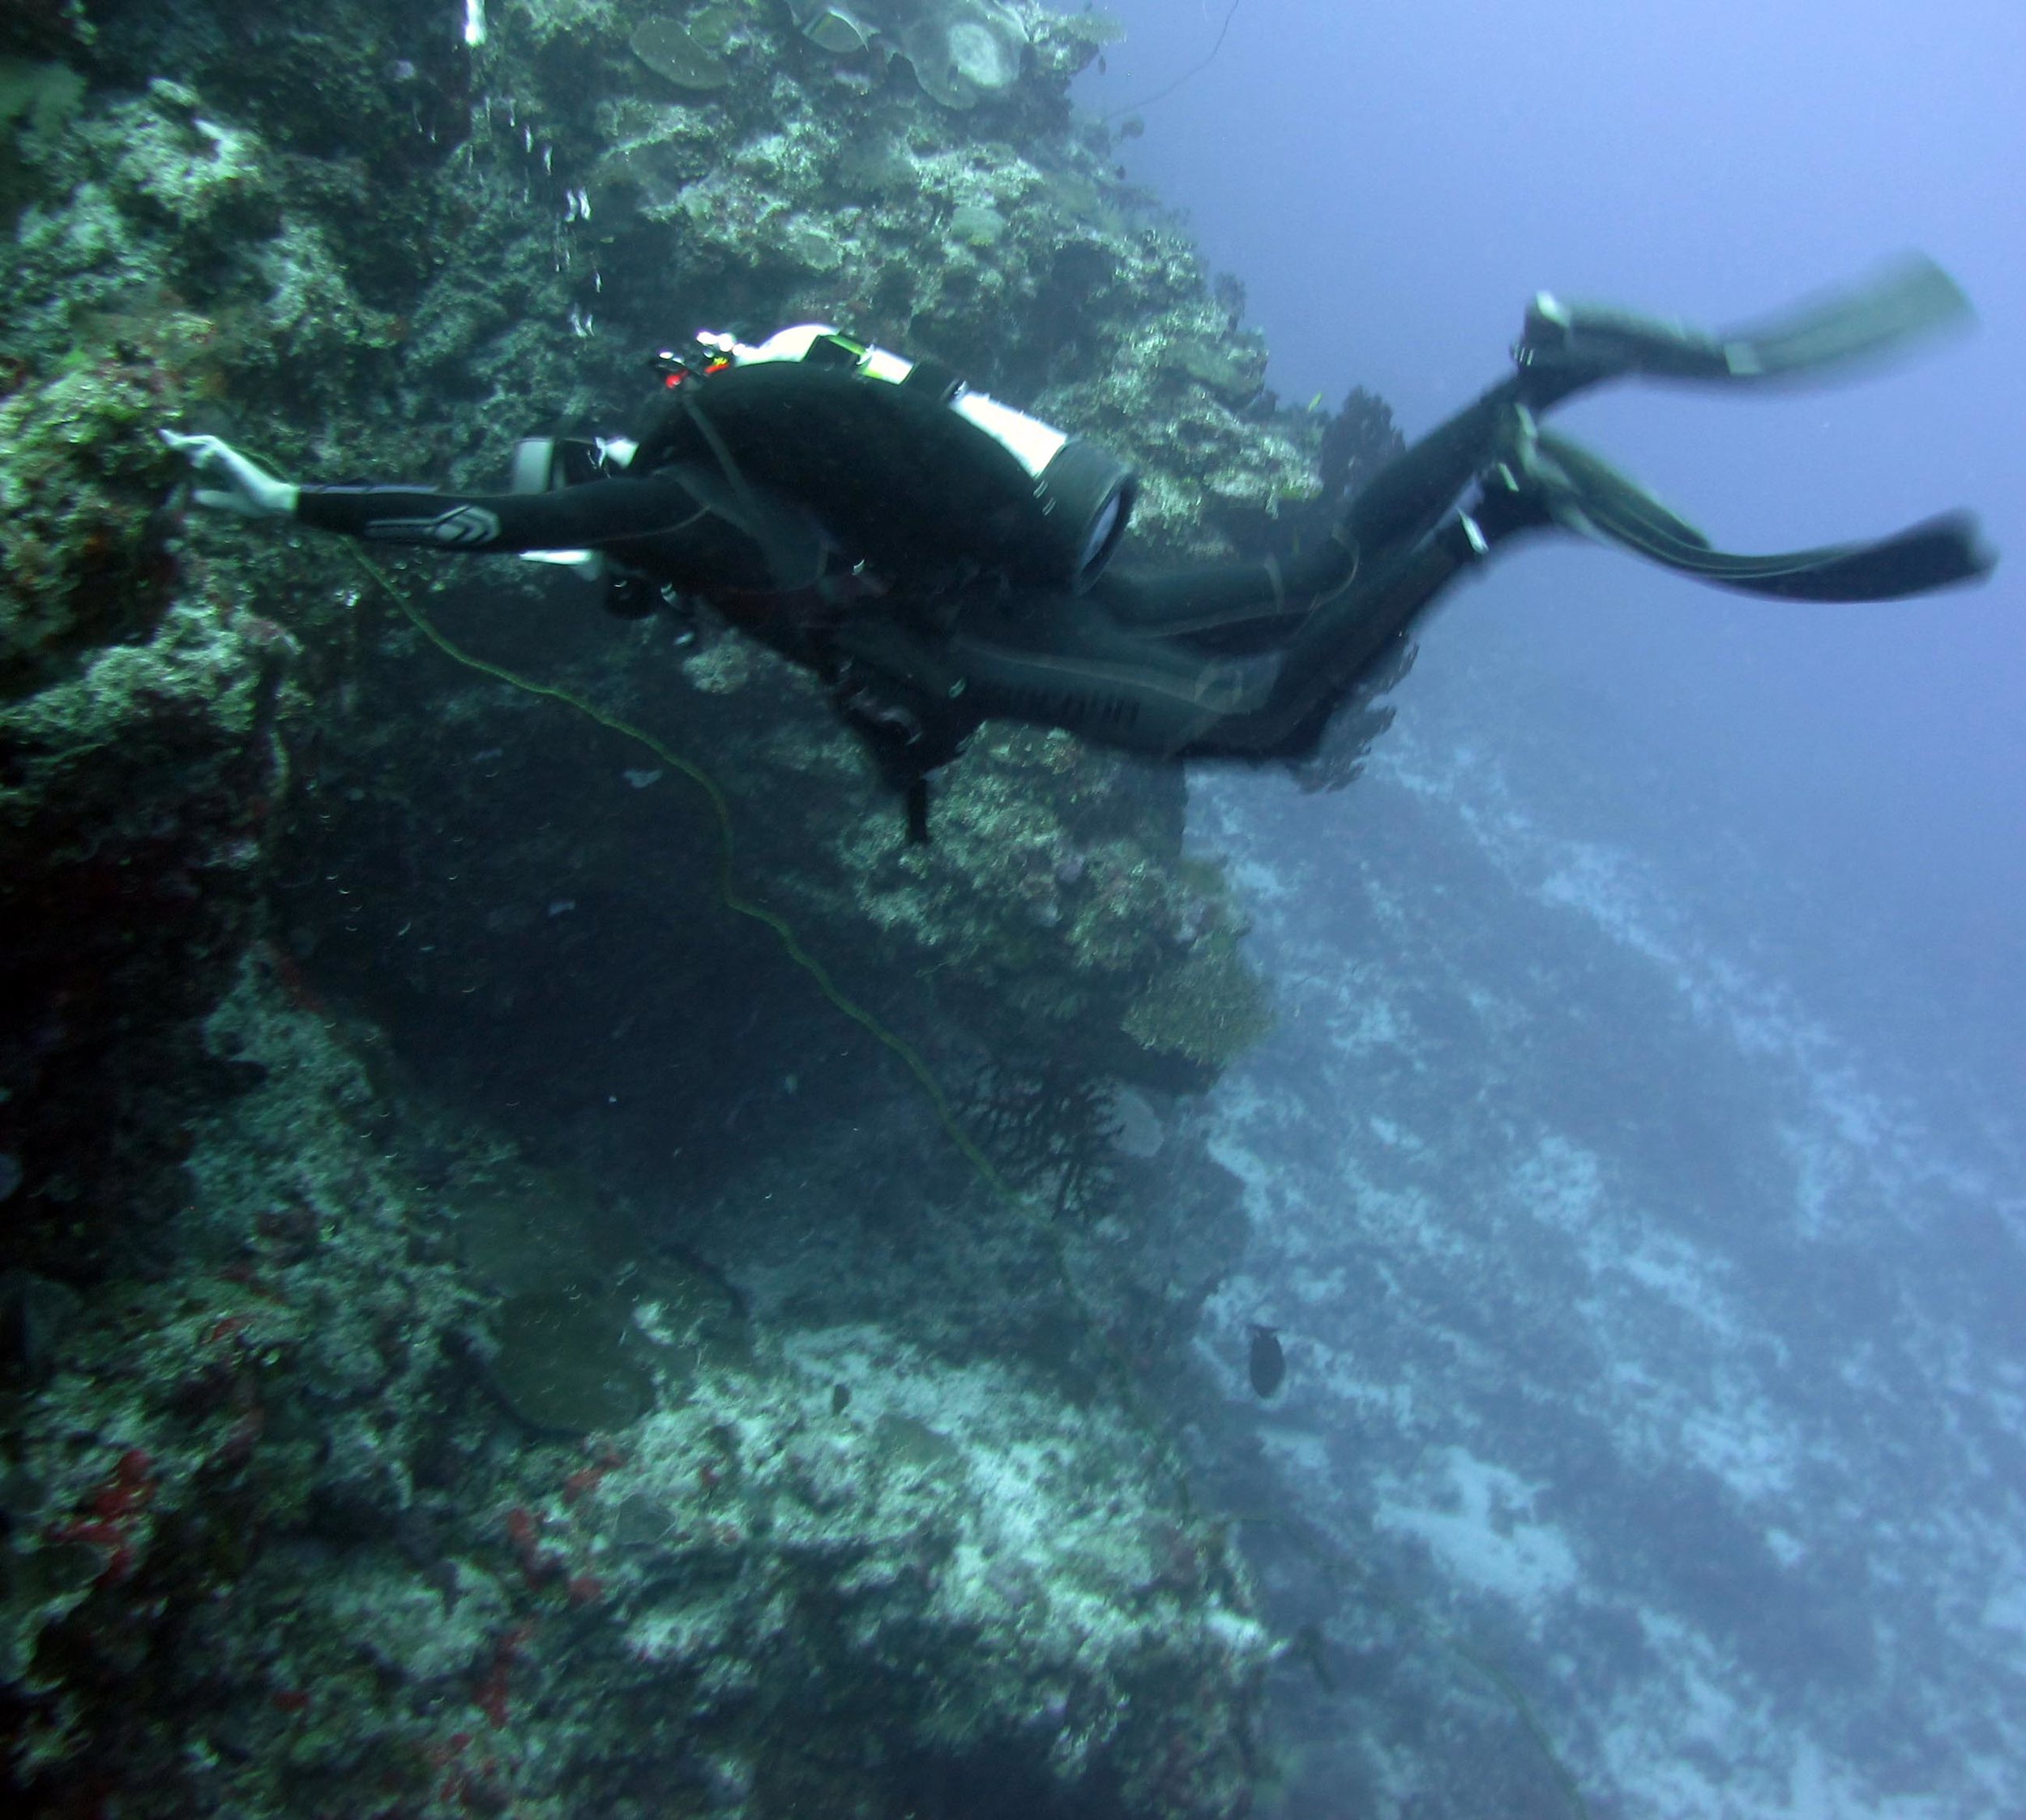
(635, 1185)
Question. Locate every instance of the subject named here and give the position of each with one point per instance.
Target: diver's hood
(901, 458)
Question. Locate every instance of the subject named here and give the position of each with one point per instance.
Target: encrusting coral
(962, 51)
(341, 982)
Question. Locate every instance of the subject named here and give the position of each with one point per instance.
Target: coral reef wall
(483, 1332)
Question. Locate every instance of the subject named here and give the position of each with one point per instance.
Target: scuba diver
(940, 560)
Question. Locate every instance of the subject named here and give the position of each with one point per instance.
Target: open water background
(1637, 1165)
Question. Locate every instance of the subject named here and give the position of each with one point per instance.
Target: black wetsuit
(1231, 660)
(920, 645)
(833, 519)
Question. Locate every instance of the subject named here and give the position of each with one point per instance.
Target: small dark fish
(1131, 127)
(1308, 1645)
(1268, 1364)
(839, 1399)
(34, 1313)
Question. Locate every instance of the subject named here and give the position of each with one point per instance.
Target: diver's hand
(237, 484)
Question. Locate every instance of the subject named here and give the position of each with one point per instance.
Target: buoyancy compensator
(907, 467)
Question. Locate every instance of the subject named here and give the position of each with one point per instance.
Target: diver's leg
(1063, 661)
(1112, 674)
(1564, 349)
(1115, 664)
(1536, 482)
(1361, 632)
(1402, 503)
(1407, 497)
(1130, 682)
(1205, 598)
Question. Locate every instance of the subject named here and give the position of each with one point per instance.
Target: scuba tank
(905, 465)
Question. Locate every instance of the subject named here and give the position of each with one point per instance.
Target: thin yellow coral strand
(911, 1057)
(728, 892)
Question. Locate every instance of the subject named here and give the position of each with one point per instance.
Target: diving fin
(1911, 299)
(1585, 494)
(1569, 478)
(1943, 552)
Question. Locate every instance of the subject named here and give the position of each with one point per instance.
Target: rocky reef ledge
(483, 1332)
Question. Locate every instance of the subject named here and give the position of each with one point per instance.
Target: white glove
(240, 484)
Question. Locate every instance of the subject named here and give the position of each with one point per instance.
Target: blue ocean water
(1638, 1168)
(1648, 1327)
(497, 1319)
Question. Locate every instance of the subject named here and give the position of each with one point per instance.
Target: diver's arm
(228, 481)
(599, 514)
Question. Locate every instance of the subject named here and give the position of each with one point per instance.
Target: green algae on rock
(977, 225)
(961, 51)
(138, 748)
(713, 28)
(590, 1318)
(669, 49)
(564, 1365)
(525, 1229)
(37, 101)
(1209, 1010)
(83, 561)
(964, 51)
(39, 1585)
